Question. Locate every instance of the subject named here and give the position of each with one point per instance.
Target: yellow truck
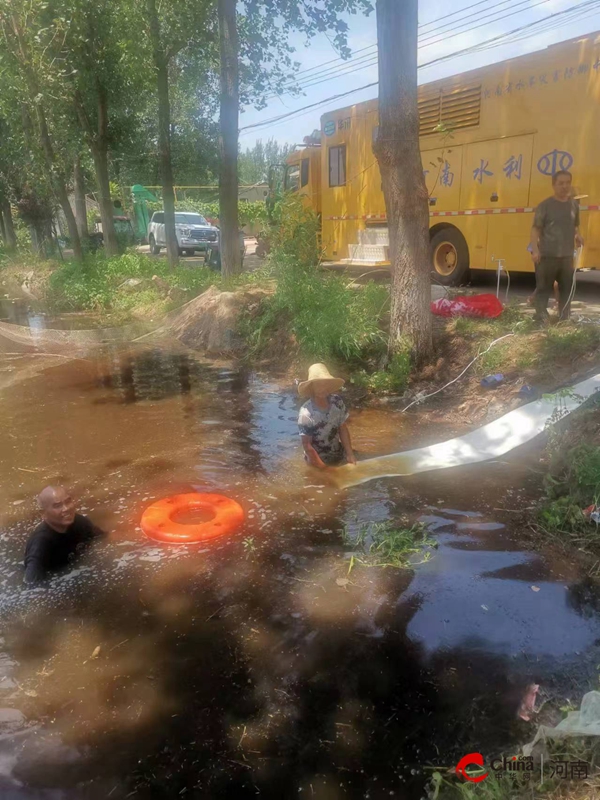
(491, 139)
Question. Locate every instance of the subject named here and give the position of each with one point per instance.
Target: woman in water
(323, 420)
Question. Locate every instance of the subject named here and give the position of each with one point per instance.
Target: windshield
(190, 219)
(292, 178)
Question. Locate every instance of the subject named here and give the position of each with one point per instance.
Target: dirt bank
(211, 322)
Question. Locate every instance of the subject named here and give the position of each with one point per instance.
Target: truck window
(292, 178)
(305, 172)
(158, 217)
(337, 165)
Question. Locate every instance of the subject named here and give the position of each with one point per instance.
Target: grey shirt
(557, 222)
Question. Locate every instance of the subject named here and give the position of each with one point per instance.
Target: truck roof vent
(459, 108)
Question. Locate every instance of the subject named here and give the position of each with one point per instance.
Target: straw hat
(319, 373)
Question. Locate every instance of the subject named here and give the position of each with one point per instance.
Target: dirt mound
(210, 322)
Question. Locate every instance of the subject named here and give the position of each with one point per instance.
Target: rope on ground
(458, 377)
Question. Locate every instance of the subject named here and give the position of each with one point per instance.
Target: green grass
(329, 320)
(567, 341)
(97, 283)
(394, 379)
(572, 482)
(385, 544)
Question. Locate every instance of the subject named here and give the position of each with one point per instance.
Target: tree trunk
(231, 262)
(59, 185)
(100, 156)
(161, 64)
(8, 232)
(109, 234)
(399, 156)
(97, 139)
(80, 205)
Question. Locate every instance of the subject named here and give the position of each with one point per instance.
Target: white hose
(458, 377)
(574, 284)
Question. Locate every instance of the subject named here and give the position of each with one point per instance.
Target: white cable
(574, 284)
(437, 391)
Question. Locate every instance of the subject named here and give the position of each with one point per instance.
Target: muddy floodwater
(249, 667)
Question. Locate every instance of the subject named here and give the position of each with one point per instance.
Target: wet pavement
(246, 667)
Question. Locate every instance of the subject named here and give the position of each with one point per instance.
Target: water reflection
(235, 670)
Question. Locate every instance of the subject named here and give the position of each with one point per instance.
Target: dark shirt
(556, 222)
(48, 550)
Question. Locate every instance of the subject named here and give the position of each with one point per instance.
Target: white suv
(192, 230)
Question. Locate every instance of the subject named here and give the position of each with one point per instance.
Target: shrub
(295, 233)
(329, 320)
(393, 379)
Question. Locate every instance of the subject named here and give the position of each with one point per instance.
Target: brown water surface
(248, 667)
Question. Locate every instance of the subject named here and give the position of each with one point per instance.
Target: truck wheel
(154, 248)
(449, 257)
(188, 253)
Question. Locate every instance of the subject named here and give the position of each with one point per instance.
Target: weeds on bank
(99, 283)
(394, 379)
(328, 319)
(528, 347)
(564, 341)
(385, 544)
(572, 482)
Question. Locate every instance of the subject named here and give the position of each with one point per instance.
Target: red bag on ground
(478, 305)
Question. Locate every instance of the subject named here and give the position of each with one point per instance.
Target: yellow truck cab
(303, 175)
(490, 141)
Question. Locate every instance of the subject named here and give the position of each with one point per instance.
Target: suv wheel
(154, 248)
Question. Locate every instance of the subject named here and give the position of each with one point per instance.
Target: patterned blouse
(323, 427)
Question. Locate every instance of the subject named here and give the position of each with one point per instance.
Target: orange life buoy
(157, 520)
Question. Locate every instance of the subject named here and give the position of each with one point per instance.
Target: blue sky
(488, 19)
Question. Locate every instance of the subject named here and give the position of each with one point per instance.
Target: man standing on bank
(554, 237)
(62, 534)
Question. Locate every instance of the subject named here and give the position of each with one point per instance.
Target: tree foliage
(254, 162)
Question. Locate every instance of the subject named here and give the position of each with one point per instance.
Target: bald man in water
(62, 534)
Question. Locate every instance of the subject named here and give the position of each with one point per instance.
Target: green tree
(93, 81)
(254, 162)
(255, 63)
(179, 25)
(24, 61)
(399, 156)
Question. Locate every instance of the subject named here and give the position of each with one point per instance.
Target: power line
(445, 18)
(587, 6)
(370, 59)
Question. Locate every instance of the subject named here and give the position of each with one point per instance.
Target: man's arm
(536, 233)
(535, 244)
(347, 443)
(312, 455)
(578, 236)
(35, 568)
